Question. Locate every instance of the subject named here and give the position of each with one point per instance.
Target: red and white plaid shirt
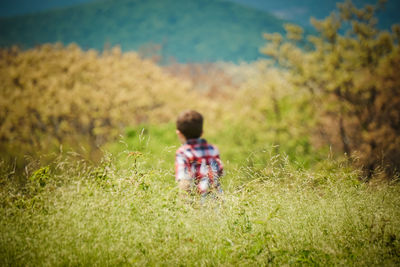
(198, 161)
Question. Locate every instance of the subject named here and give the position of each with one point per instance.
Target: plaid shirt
(198, 161)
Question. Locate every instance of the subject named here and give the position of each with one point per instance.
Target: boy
(197, 163)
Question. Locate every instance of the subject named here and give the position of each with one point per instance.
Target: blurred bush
(352, 81)
(53, 95)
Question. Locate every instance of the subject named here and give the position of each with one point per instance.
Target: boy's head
(190, 124)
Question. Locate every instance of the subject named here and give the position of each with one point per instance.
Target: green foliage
(275, 215)
(241, 143)
(277, 116)
(168, 28)
(41, 176)
(352, 82)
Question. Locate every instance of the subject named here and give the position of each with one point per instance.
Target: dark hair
(190, 124)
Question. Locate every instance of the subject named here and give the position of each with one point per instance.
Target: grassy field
(87, 144)
(127, 210)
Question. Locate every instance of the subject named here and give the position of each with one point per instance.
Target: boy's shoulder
(198, 145)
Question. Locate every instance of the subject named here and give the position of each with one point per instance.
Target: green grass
(240, 144)
(126, 210)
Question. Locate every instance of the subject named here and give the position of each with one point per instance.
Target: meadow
(309, 139)
(127, 210)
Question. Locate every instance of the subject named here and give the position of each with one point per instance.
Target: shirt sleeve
(180, 166)
(219, 168)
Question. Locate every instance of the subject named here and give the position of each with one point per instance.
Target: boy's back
(197, 163)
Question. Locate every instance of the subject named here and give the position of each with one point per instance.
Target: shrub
(53, 95)
(353, 82)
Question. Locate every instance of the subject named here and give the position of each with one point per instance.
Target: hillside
(10, 8)
(301, 11)
(188, 31)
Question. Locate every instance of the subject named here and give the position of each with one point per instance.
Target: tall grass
(129, 212)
